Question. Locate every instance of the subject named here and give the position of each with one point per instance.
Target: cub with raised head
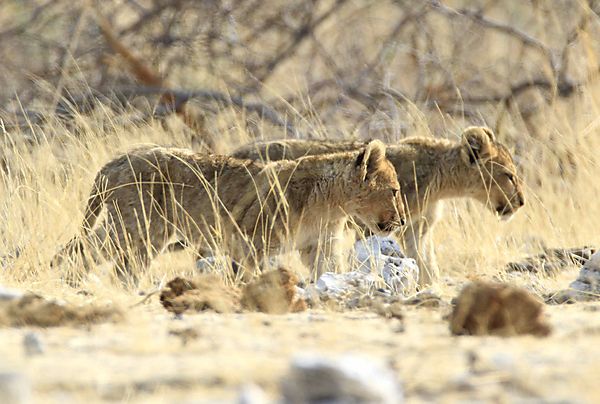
(249, 209)
(429, 171)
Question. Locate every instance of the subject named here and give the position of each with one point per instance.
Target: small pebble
(33, 344)
(251, 394)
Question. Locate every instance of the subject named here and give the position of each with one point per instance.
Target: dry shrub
(497, 309)
(274, 292)
(34, 310)
(553, 260)
(206, 292)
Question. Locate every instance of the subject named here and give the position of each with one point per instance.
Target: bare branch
(24, 26)
(183, 96)
(302, 33)
(483, 21)
(148, 77)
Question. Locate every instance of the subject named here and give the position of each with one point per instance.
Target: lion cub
(429, 171)
(248, 208)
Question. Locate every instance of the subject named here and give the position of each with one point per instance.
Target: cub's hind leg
(133, 241)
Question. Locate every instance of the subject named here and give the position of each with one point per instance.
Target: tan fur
(429, 171)
(248, 208)
(292, 149)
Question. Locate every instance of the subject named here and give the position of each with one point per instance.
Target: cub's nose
(519, 200)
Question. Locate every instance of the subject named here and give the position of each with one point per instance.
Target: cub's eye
(511, 177)
(395, 192)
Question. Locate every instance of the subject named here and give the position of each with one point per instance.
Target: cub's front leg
(325, 252)
(418, 244)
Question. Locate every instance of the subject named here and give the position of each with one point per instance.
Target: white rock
(401, 274)
(593, 264)
(335, 285)
(251, 394)
(33, 344)
(587, 284)
(375, 246)
(590, 277)
(9, 294)
(383, 256)
(350, 378)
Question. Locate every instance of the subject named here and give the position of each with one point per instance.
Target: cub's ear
(478, 144)
(369, 160)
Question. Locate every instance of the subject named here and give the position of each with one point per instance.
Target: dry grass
(44, 185)
(45, 188)
(42, 205)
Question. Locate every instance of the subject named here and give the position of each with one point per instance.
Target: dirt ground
(153, 356)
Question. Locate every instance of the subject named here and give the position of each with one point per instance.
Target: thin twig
(509, 30)
(183, 96)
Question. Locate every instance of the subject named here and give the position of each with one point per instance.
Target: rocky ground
(155, 357)
(215, 343)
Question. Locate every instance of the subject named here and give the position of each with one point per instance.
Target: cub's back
(292, 149)
(175, 165)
